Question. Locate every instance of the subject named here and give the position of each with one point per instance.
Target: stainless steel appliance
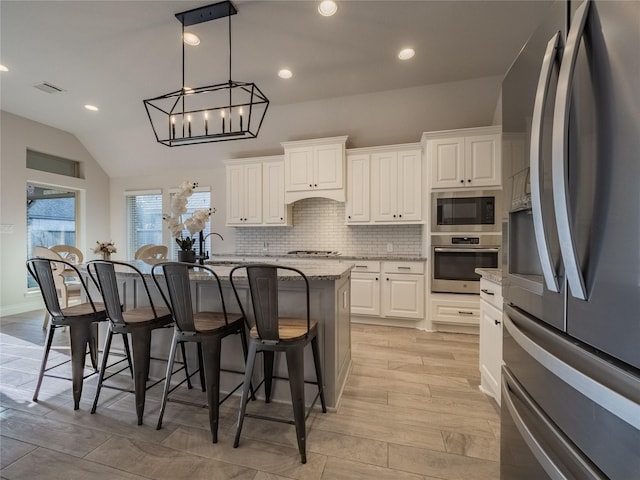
(571, 278)
(455, 258)
(466, 211)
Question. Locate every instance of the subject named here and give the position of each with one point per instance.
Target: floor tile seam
(419, 375)
(455, 455)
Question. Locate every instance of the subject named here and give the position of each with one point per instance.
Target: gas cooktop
(314, 253)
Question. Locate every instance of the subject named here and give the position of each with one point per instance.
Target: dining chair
(206, 328)
(81, 319)
(273, 333)
(154, 254)
(67, 284)
(136, 323)
(141, 249)
(69, 253)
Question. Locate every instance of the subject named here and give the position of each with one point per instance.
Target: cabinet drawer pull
(361, 266)
(462, 312)
(404, 268)
(484, 290)
(497, 322)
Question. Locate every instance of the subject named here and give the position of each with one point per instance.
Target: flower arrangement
(105, 249)
(194, 224)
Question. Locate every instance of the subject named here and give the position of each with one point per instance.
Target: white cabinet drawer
(491, 292)
(454, 311)
(366, 266)
(416, 268)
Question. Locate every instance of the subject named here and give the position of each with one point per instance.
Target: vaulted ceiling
(114, 54)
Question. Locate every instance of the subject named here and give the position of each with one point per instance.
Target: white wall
(18, 134)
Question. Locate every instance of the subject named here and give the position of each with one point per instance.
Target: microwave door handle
(559, 155)
(465, 250)
(544, 253)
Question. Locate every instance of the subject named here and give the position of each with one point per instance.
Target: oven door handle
(465, 250)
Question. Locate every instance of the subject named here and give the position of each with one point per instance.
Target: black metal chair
(138, 323)
(207, 328)
(81, 319)
(273, 333)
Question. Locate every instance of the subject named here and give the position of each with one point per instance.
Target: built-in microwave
(460, 211)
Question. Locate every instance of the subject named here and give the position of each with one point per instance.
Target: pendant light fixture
(231, 110)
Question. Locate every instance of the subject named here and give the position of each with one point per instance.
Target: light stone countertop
(492, 274)
(292, 258)
(313, 269)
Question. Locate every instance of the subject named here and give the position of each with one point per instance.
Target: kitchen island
(330, 303)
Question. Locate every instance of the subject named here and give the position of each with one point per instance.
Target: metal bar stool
(207, 328)
(80, 318)
(138, 323)
(273, 333)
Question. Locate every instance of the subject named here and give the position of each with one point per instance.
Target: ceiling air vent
(48, 88)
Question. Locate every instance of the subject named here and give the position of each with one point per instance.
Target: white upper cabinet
(255, 192)
(274, 210)
(358, 183)
(396, 186)
(314, 168)
(244, 194)
(468, 158)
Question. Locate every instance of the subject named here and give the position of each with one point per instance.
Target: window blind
(144, 220)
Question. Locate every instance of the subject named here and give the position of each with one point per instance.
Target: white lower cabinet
(455, 312)
(388, 289)
(490, 338)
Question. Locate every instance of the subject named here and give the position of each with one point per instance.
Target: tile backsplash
(318, 224)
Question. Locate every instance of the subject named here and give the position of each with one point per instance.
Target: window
(144, 220)
(51, 218)
(199, 200)
(52, 164)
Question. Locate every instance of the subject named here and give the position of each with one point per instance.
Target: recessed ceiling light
(188, 90)
(191, 39)
(285, 73)
(327, 8)
(406, 53)
(93, 108)
(3, 68)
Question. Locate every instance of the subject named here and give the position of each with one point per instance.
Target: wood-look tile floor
(411, 409)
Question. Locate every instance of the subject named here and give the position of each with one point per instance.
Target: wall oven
(455, 258)
(462, 211)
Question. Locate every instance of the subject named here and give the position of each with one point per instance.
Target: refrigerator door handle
(619, 405)
(548, 270)
(559, 151)
(511, 389)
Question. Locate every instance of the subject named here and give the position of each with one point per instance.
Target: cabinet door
(409, 185)
(235, 194)
(253, 194)
(403, 296)
(298, 173)
(447, 162)
(482, 161)
(274, 209)
(365, 294)
(384, 184)
(490, 349)
(357, 208)
(328, 165)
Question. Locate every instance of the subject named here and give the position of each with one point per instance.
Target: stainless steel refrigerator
(571, 257)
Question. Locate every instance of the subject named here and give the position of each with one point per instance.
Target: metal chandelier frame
(226, 111)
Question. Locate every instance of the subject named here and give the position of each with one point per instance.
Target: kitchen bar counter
(330, 301)
(323, 258)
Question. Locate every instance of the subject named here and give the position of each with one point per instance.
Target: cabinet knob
(461, 181)
(311, 186)
(376, 279)
(387, 279)
(469, 180)
(349, 216)
(394, 216)
(281, 219)
(400, 215)
(315, 184)
(497, 322)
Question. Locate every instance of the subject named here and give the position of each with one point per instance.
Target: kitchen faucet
(204, 256)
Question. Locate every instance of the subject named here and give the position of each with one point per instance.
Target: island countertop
(313, 269)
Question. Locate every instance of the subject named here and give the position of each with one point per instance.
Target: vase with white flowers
(105, 249)
(194, 224)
